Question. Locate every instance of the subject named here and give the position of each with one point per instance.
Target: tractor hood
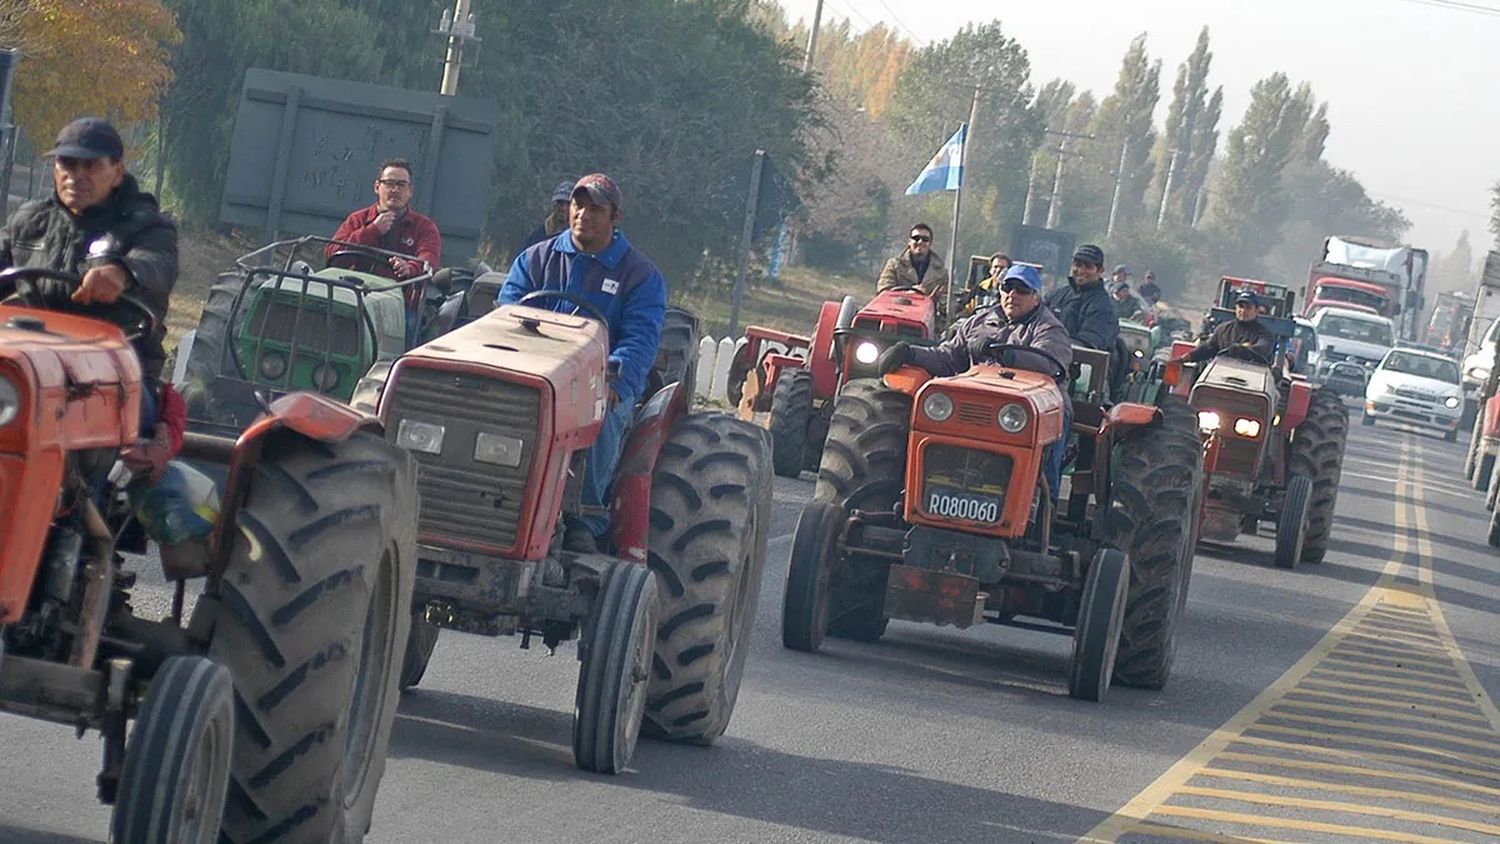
(891, 311)
(980, 395)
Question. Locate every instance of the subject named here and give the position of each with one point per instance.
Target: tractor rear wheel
(791, 417)
(710, 516)
(310, 618)
(1156, 487)
(863, 467)
(1292, 523)
(1317, 452)
(176, 771)
(205, 360)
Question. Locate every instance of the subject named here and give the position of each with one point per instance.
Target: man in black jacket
(1083, 305)
(93, 197)
(1247, 332)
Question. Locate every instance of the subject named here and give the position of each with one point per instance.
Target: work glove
(979, 349)
(148, 458)
(892, 359)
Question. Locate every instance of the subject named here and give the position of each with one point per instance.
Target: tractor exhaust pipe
(98, 580)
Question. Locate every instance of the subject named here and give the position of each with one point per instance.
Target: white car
(1350, 344)
(1416, 387)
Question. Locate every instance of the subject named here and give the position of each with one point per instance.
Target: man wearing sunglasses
(1019, 320)
(916, 266)
(390, 224)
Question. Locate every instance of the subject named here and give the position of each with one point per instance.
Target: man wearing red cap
(592, 260)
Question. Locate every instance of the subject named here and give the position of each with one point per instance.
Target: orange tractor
(1275, 441)
(796, 378)
(931, 505)
(267, 712)
(500, 414)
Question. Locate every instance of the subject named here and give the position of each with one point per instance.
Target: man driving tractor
(612, 280)
(1019, 320)
(1245, 332)
(99, 224)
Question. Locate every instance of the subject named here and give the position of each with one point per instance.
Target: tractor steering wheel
(1246, 353)
(580, 304)
(21, 281)
(349, 259)
(995, 349)
(906, 288)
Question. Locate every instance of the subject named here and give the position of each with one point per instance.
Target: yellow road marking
(1394, 758)
(1289, 823)
(1394, 641)
(1354, 770)
(1339, 807)
(1361, 790)
(1186, 834)
(1397, 681)
(1384, 704)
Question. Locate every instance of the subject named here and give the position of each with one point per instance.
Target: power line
(1457, 6)
(901, 23)
(849, 10)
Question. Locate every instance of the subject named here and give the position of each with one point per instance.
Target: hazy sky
(1413, 89)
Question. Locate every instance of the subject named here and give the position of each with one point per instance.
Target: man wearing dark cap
(95, 201)
(1120, 274)
(1150, 291)
(1246, 332)
(1083, 305)
(1020, 319)
(592, 259)
(557, 216)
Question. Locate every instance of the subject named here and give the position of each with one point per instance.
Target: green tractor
(273, 325)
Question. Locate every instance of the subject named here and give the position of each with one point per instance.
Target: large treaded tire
(710, 516)
(804, 605)
(1484, 467)
(1472, 456)
(863, 467)
(1154, 496)
(1317, 451)
(791, 417)
(176, 769)
(1097, 636)
(677, 356)
(205, 358)
(310, 618)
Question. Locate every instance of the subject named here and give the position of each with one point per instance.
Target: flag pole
(958, 195)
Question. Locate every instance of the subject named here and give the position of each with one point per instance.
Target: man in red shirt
(390, 224)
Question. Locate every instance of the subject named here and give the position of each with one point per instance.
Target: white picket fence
(714, 360)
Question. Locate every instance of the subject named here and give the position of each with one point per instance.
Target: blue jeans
(1052, 461)
(599, 472)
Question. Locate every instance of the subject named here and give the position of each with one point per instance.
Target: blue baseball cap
(1024, 274)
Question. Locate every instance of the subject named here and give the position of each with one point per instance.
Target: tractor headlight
(10, 401)
(938, 407)
(1208, 421)
(498, 449)
(1012, 419)
(272, 365)
(1452, 402)
(866, 352)
(1139, 353)
(325, 377)
(426, 437)
(1247, 427)
(1479, 373)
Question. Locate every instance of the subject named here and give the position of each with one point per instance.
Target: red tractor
(798, 383)
(1275, 441)
(267, 713)
(931, 506)
(500, 414)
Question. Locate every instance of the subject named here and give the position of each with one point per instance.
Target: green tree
(1062, 109)
(1191, 134)
(1320, 200)
(932, 97)
(1453, 271)
(1124, 124)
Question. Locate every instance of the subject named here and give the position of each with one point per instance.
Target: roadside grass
(201, 256)
(790, 303)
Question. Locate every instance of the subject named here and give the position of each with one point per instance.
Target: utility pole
(1198, 207)
(812, 39)
(959, 195)
(1166, 190)
(1114, 201)
(747, 235)
(1030, 192)
(458, 25)
(1062, 152)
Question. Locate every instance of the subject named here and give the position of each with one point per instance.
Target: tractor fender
(1492, 416)
(630, 496)
(820, 358)
(1299, 397)
(312, 415)
(772, 365)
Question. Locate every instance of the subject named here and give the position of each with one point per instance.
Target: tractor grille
(275, 319)
(1237, 455)
(964, 483)
(464, 499)
(976, 413)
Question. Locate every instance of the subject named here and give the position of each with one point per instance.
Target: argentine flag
(946, 169)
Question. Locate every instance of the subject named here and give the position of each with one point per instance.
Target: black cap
(88, 138)
(1089, 254)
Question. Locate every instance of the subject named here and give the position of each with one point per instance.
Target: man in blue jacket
(1083, 305)
(593, 260)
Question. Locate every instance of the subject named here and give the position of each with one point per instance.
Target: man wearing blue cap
(1246, 332)
(1019, 320)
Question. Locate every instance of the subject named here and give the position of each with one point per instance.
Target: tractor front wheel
(791, 417)
(614, 657)
(1101, 615)
(804, 608)
(1292, 523)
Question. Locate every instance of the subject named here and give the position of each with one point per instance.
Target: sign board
(1049, 249)
(305, 152)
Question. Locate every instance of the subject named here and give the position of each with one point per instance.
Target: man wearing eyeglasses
(916, 266)
(390, 224)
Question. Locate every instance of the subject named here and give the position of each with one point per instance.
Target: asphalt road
(1349, 700)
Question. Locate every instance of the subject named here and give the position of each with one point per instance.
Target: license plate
(959, 504)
